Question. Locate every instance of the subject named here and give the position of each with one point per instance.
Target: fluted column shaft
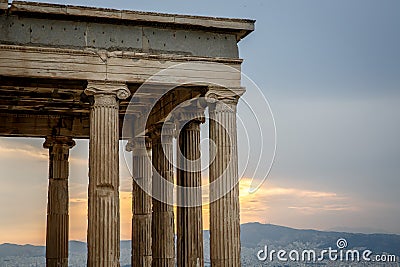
(57, 203)
(189, 218)
(141, 201)
(163, 245)
(224, 212)
(103, 193)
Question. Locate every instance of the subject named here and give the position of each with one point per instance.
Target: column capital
(227, 95)
(58, 140)
(119, 89)
(189, 113)
(138, 143)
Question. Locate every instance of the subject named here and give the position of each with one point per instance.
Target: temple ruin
(70, 72)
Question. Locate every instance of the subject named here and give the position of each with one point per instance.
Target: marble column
(141, 201)
(103, 194)
(57, 201)
(189, 217)
(224, 211)
(163, 245)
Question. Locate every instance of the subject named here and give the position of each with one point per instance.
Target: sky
(331, 73)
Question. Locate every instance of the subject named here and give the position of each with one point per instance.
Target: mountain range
(254, 236)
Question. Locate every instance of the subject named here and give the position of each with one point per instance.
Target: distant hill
(362, 230)
(77, 247)
(254, 236)
(21, 250)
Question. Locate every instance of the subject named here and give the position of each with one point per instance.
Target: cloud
(315, 209)
(19, 149)
(271, 190)
(79, 161)
(272, 200)
(15, 149)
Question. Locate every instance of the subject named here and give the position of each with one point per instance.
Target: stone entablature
(62, 26)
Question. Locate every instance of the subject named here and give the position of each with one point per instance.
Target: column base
(141, 230)
(163, 262)
(226, 263)
(57, 262)
(104, 264)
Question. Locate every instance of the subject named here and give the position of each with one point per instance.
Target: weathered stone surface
(28, 61)
(57, 201)
(141, 201)
(42, 125)
(103, 211)
(224, 211)
(240, 26)
(77, 34)
(189, 217)
(163, 245)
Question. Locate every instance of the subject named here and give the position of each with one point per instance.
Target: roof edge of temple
(242, 27)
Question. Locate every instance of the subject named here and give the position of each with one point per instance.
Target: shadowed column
(189, 217)
(141, 201)
(57, 203)
(163, 243)
(103, 193)
(224, 211)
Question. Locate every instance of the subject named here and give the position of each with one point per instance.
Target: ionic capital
(118, 89)
(227, 95)
(190, 113)
(139, 143)
(52, 141)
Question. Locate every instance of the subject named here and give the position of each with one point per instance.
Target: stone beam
(239, 27)
(129, 67)
(31, 125)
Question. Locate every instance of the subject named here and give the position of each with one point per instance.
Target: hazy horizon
(367, 232)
